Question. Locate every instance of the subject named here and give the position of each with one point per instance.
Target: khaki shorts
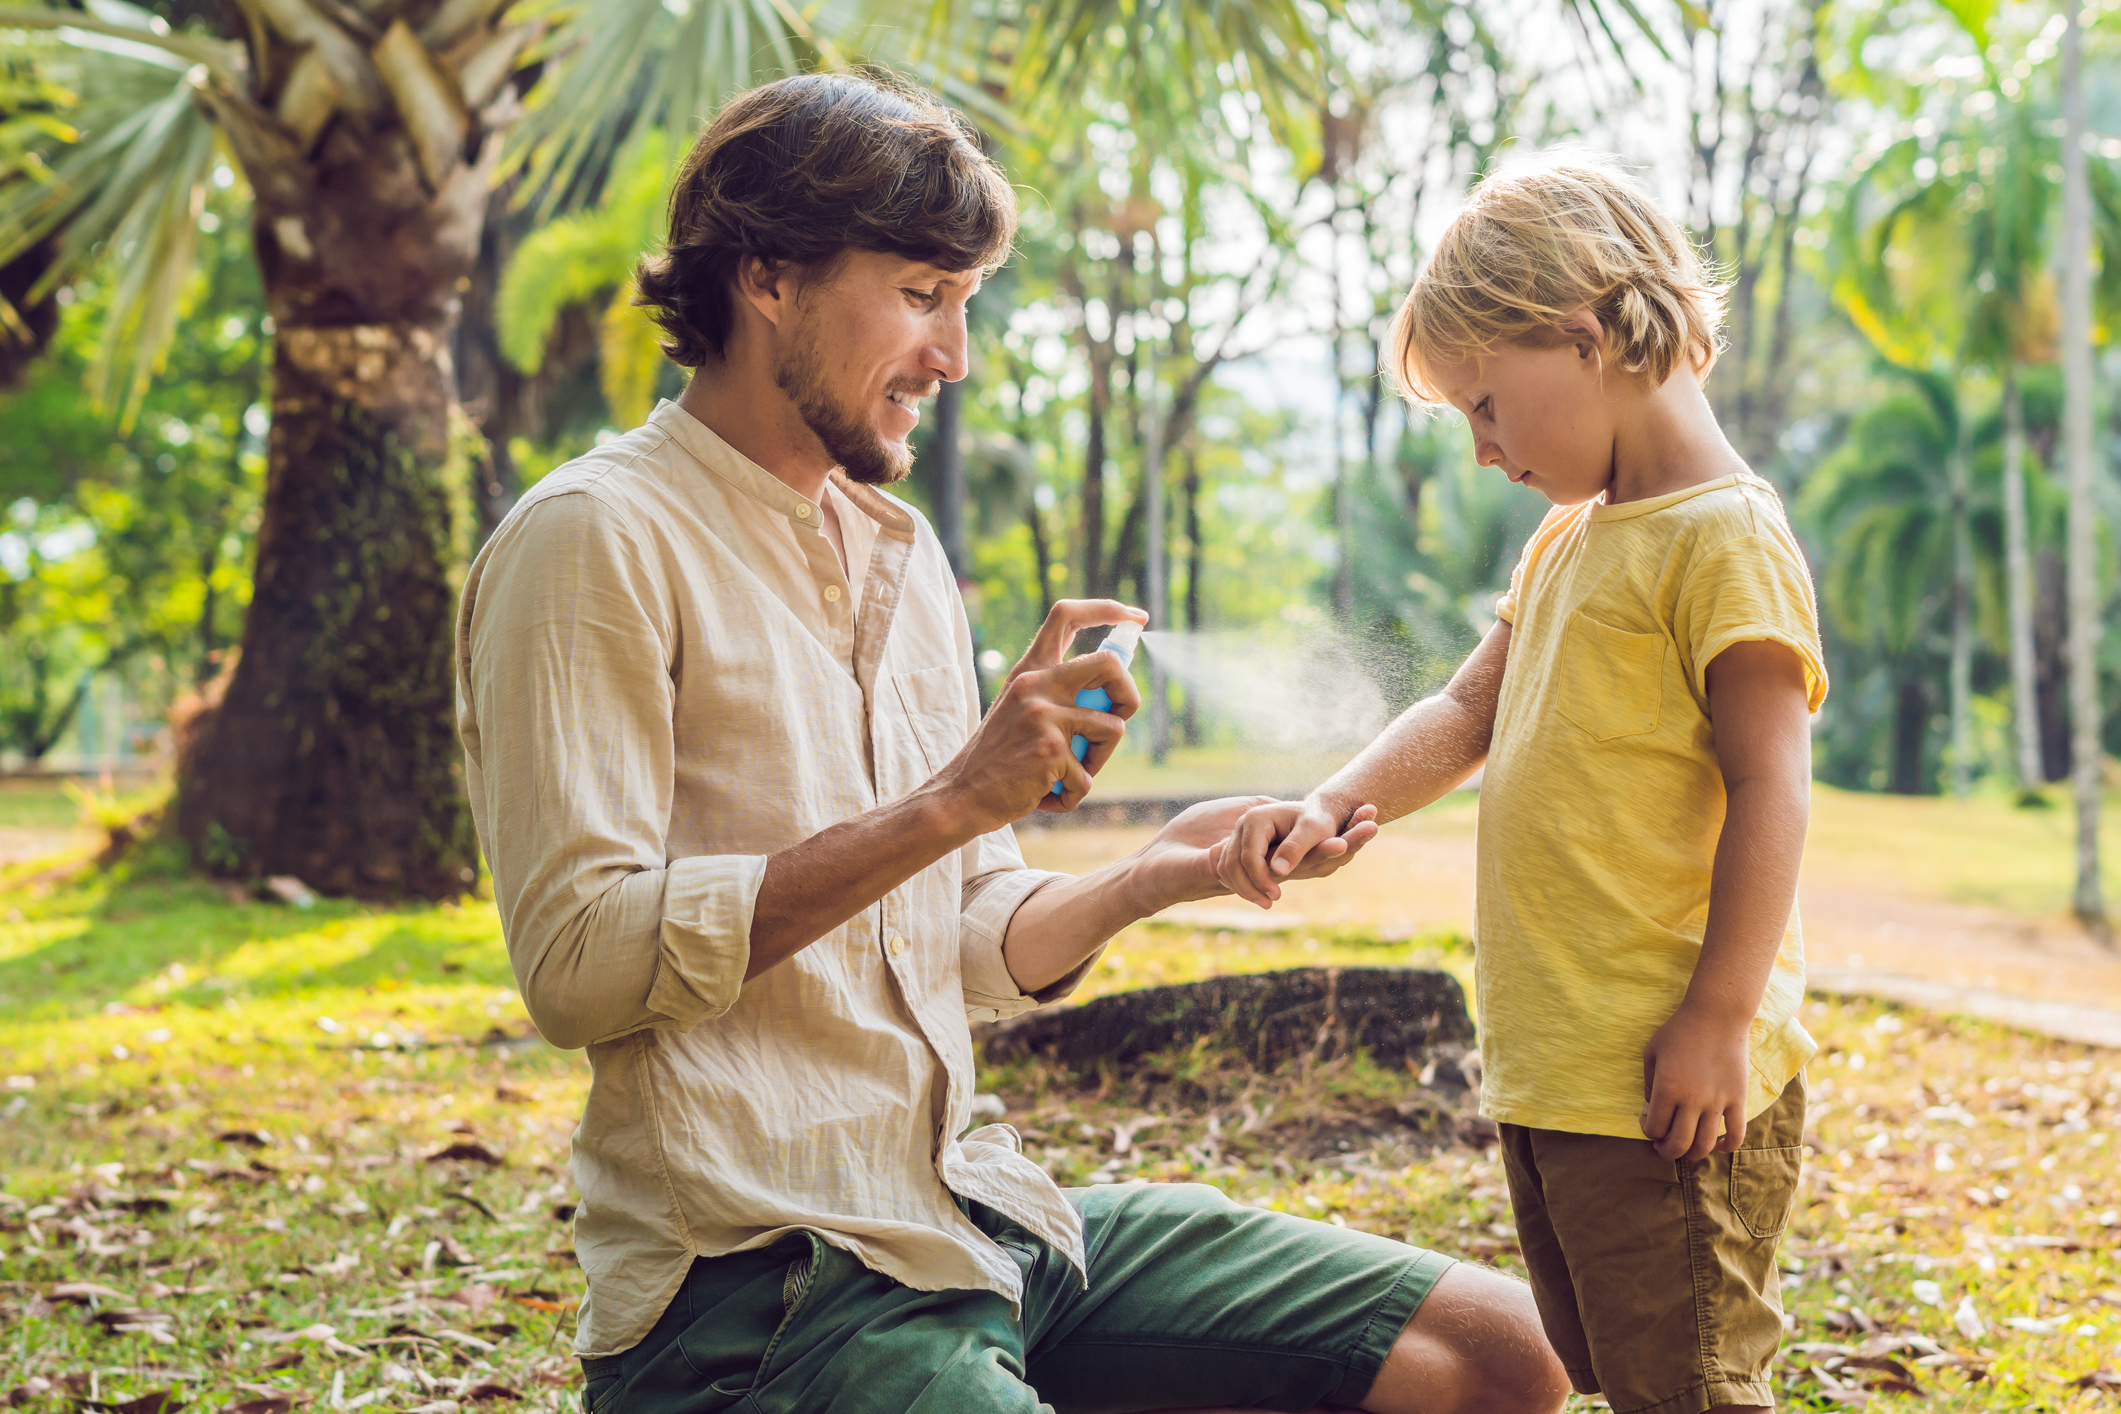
(1656, 1279)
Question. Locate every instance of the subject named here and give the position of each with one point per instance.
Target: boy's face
(1541, 414)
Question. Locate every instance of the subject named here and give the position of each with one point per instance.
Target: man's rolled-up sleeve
(565, 648)
(997, 882)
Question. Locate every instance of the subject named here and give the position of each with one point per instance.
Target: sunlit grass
(346, 1044)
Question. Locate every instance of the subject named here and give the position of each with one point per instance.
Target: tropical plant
(1891, 528)
(369, 140)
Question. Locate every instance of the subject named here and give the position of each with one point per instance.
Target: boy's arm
(1432, 747)
(1694, 1069)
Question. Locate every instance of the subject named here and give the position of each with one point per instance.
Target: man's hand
(1008, 768)
(1693, 1079)
(1291, 839)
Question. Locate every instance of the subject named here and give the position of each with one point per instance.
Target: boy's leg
(1540, 1246)
(1672, 1265)
(1195, 1302)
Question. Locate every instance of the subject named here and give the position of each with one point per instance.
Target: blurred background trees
(1174, 394)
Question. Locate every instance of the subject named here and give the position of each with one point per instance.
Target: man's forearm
(811, 888)
(1751, 893)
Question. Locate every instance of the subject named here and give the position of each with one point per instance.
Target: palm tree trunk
(2018, 568)
(2086, 758)
(333, 755)
(1962, 659)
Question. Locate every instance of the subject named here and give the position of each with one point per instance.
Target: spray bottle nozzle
(1123, 640)
(1120, 643)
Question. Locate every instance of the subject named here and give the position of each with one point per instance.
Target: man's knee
(1475, 1347)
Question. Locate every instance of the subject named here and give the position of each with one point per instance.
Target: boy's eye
(1480, 409)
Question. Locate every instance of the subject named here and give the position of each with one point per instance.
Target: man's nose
(947, 355)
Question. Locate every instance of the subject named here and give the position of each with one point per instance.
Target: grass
(319, 1156)
(1985, 850)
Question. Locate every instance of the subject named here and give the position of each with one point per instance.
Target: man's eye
(922, 296)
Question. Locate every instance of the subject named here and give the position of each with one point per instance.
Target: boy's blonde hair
(1540, 240)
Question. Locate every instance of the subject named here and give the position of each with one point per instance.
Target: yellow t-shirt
(1602, 801)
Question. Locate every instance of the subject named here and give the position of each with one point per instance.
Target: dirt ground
(1860, 919)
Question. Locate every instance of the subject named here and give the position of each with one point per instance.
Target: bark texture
(333, 755)
(1395, 1015)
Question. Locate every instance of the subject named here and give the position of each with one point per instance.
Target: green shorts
(1193, 1300)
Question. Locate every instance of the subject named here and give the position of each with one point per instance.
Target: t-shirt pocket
(1612, 681)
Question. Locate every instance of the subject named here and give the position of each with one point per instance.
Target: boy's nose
(1487, 454)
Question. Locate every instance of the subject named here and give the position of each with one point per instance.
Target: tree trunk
(1962, 648)
(2018, 568)
(2051, 657)
(1094, 586)
(1394, 1015)
(1041, 553)
(1196, 563)
(491, 389)
(2087, 759)
(1911, 710)
(333, 755)
(947, 446)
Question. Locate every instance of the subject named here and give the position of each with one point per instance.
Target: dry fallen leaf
(81, 1293)
(274, 1405)
(2098, 1379)
(248, 1138)
(483, 1393)
(162, 1401)
(466, 1153)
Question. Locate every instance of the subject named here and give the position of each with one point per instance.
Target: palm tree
(1890, 530)
(369, 140)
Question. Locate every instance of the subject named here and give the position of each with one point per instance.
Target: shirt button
(832, 594)
(802, 511)
(898, 945)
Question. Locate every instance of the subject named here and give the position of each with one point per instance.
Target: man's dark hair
(799, 171)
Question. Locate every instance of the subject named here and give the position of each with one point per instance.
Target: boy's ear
(1583, 330)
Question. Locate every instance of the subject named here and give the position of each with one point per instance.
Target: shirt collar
(761, 485)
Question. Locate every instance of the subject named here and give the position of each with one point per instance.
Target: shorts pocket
(1612, 681)
(599, 1390)
(1764, 1187)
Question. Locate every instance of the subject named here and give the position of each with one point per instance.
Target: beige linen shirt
(663, 677)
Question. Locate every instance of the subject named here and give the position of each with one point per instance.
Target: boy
(1642, 710)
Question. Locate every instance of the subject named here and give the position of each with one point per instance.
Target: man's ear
(766, 287)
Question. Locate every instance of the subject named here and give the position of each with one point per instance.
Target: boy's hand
(1693, 1078)
(1291, 839)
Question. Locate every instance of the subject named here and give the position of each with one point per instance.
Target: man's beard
(848, 438)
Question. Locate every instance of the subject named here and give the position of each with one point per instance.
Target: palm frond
(129, 191)
(620, 68)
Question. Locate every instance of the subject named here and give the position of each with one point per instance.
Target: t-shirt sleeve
(1506, 602)
(1750, 589)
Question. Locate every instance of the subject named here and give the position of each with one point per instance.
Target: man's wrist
(949, 814)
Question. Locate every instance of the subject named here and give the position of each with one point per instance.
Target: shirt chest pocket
(1611, 681)
(934, 702)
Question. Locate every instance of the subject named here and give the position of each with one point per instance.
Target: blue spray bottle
(1120, 643)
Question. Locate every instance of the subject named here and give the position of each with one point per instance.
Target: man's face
(1541, 415)
(869, 340)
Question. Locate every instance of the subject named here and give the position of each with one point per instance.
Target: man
(751, 846)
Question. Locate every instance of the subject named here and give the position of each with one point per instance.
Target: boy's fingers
(1258, 830)
(1239, 870)
(1733, 1130)
(1303, 836)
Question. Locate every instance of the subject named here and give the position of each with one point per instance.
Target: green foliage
(129, 543)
